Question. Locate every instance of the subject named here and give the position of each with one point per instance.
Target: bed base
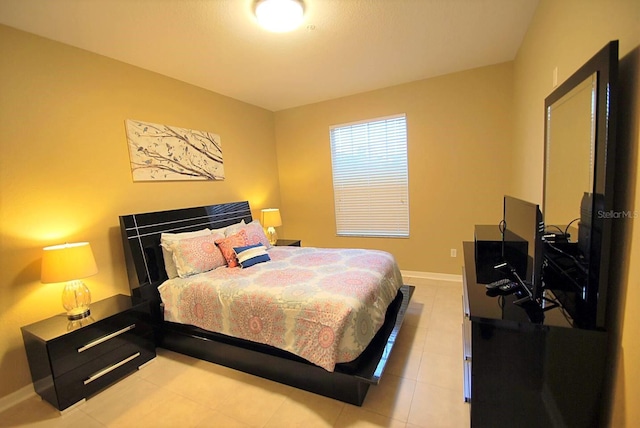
(348, 383)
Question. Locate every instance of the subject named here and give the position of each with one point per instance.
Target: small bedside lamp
(271, 219)
(70, 263)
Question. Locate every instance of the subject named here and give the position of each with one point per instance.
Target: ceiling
(342, 48)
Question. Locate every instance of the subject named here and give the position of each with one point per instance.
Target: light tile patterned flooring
(421, 387)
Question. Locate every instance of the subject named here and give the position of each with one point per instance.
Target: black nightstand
(288, 243)
(71, 360)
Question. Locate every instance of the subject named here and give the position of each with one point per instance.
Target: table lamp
(70, 263)
(271, 219)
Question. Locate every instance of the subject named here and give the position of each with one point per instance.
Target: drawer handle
(111, 368)
(105, 338)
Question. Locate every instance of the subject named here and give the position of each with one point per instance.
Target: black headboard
(141, 238)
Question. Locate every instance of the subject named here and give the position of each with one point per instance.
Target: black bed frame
(145, 267)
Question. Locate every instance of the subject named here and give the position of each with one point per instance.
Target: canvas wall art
(168, 153)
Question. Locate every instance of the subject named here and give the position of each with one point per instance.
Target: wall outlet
(454, 252)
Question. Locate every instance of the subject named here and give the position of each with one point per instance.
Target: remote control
(509, 288)
(498, 283)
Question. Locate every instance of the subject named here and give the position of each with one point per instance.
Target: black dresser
(71, 360)
(524, 367)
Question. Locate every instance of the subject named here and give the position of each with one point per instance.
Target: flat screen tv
(522, 246)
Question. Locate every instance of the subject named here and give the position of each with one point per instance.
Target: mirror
(578, 187)
(569, 147)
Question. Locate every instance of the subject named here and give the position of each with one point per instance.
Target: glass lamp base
(78, 314)
(272, 235)
(76, 299)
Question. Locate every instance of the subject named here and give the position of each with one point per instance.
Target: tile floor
(421, 387)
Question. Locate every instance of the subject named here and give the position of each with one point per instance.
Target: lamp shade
(271, 217)
(67, 262)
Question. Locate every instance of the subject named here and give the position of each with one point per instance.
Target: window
(370, 179)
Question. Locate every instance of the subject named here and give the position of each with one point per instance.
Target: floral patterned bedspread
(324, 305)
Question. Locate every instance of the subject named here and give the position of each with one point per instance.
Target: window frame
(359, 217)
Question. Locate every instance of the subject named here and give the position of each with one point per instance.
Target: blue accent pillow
(251, 255)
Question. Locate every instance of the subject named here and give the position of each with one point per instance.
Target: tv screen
(522, 246)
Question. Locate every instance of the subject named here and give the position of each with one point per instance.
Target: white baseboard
(16, 397)
(431, 275)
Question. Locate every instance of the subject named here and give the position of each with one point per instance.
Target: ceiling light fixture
(279, 16)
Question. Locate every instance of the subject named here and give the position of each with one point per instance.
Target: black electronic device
(488, 252)
(510, 287)
(518, 266)
(503, 287)
(522, 246)
(498, 283)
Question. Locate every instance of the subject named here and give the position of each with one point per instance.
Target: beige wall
(64, 172)
(565, 34)
(459, 147)
(65, 176)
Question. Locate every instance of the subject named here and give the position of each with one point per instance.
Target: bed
(334, 374)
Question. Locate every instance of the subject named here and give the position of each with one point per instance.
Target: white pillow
(167, 238)
(234, 228)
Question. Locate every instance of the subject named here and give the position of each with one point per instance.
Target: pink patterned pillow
(227, 244)
(256, 235)
(196, 255)
(166, 239)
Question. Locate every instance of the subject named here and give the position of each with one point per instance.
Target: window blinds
(370, 178)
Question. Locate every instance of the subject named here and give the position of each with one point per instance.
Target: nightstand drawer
(91, 341)
(91, 377)
(71, 360)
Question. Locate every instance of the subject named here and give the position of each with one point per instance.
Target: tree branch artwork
(167, 153)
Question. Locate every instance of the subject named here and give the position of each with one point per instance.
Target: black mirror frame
(605, 65)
